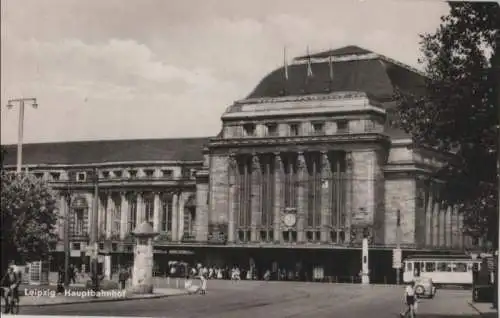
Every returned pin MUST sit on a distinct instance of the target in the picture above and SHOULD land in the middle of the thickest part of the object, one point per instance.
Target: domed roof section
(354, 69)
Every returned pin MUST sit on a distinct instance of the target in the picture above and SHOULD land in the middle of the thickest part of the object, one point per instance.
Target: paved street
(255, 299)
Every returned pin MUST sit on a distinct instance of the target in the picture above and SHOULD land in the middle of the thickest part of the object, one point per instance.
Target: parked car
(424, 287)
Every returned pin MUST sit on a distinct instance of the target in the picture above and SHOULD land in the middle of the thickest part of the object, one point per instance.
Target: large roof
(354, 70)
(88, 152)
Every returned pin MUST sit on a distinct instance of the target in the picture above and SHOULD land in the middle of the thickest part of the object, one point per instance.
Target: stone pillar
(156, 212)
(279, 197)
(349, 193)
(142, 275)
(123, 214)
(301, 197)
(326, 176)
(180, 213)
(175, 210)
(442, 227)
(256, 207)
(107, 267)
(428, 218)
(202, 210)
(62, 217)
(435, 224)
(110, 214)
(140, 208)
(231, 213)
(461, 236)
(365, 272)
(101, 217)
(448, 230)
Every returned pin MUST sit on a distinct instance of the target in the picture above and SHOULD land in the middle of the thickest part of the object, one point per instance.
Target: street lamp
(20, 131)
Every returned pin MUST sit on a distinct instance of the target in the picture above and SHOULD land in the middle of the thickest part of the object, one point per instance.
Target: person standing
(203, 277)
(410, 300)
(122, 277)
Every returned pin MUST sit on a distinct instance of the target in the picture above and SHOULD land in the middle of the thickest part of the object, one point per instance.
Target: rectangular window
(105, 174)
(132, 215)
(79, 222)
(409, 266)
(149, 209)
(39, 175)
(132, 173)
(76, 246)
(166, 220)
(167, 173)
(118, 173)
(149, 173)
(443, 267)
(272, 130)
(342, 126)
(430, 267)
(460, 267)
(294, 129)
(55, 176)
(318, 128)
(81, 176)
(249, 129)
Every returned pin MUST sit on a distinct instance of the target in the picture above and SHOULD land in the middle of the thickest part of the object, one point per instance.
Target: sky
(134, 69)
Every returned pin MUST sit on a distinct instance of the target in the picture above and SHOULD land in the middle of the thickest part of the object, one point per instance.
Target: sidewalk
(484, 309)
(47, 298)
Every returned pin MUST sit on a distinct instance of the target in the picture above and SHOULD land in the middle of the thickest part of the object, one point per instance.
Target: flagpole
(285, 66)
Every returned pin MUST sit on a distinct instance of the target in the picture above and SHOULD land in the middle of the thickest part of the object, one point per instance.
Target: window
(149, 208)
(132, 215)
(79, 219)
(342, 126)
(55, 176)
(167, 173)
(39, 175)
(81, 176)
(294, 129)
(460, 267)
(101, 246)
(272, 129)
(132, 173)
(430, 266)
(118, 173)
(76, 246)
(318, 128)
(105, 174)
(409, 266)
(149, 173)
(443, 267)
(166, 220)
(249, 129)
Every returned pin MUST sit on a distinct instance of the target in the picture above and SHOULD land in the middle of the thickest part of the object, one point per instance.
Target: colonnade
(120, 212)
(263, 186)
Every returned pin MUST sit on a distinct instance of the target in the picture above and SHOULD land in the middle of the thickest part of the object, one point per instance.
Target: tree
(28, 218)
(458, 112)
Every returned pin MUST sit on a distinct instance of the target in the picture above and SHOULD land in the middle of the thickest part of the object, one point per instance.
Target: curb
(474, 307)
(97, 300)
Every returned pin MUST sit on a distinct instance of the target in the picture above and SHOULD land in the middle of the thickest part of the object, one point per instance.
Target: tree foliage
(28, 218)
(459, 111)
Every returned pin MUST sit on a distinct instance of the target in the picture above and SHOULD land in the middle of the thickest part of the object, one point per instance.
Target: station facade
(303, 169)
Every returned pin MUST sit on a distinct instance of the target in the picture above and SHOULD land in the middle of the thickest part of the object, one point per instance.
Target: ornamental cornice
(304, 98)
(368, 137)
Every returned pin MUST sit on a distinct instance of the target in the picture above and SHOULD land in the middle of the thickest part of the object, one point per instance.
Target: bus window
(460, 267)
(430, 266)
(443, 267)
(409, 266)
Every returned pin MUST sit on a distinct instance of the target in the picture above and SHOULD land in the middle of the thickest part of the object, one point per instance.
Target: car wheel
(419, 290)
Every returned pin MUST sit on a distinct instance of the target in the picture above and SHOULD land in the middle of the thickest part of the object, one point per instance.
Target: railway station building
(304, 167)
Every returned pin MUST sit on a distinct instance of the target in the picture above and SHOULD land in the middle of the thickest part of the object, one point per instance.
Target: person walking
(410, 301)
(122, 278)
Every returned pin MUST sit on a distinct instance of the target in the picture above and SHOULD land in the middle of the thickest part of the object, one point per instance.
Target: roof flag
(330, 64)
(285, 63)
(309, 68)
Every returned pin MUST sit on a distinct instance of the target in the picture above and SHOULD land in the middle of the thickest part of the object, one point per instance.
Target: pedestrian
(122, 278)
(410, 299)
(203, 278)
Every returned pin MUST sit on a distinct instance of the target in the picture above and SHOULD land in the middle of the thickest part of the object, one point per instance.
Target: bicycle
(11, 303)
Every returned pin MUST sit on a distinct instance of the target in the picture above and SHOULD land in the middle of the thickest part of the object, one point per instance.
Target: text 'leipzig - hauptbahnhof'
(302, 169)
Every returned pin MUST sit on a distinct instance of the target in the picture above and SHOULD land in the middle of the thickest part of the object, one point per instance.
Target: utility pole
(496, 70)
(95, 230)
(20, 127)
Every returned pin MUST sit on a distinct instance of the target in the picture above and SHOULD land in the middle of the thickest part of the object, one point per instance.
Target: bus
(442, 269)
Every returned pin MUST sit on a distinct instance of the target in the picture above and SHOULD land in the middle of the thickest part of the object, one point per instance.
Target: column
(435, 224)
(255, 198)
(232, 171)
(110, 214)
(326, 176)
(428, 217)
(449, 211)
(442, 227)
(140, 209)
(62, 217)
(349, 192)
(301, 197)
(123, 215)
(461, 240)
(156, 212)
(278, 196)
(101, 217)
(180, 213)
(175, 210)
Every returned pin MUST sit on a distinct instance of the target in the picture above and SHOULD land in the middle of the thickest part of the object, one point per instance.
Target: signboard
(75, 253)
(396, 258)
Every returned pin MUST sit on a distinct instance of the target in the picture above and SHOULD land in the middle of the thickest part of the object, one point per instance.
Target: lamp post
(398, 247)
(20, 127)
(66, 235)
